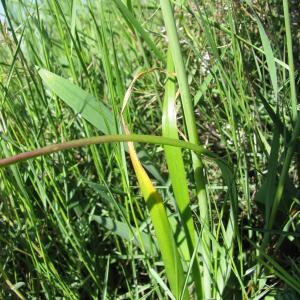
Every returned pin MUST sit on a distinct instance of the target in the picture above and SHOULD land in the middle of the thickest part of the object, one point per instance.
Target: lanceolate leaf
(174, 156)
(269, 56)
(268, 53)
(162, 228)
(82, 102)
(267, 191)
(190, 122)
(177, 171)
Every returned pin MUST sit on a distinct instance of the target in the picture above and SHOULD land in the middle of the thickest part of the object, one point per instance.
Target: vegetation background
(74, 224)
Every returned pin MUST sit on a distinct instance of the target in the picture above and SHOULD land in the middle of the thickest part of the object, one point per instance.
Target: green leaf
(130, 18)
(267, 191)
(82, 102)
(162, 228)
(204, 86)
(268, 53)
(193, 136)
(127, 232)
(174, 157)
(177, 172)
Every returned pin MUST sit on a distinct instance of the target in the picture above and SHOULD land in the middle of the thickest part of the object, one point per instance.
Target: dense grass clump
(149, 149)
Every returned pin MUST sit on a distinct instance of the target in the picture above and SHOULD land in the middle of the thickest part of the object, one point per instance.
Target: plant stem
(150, 139)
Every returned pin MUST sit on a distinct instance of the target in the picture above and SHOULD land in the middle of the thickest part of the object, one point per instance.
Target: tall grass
(204, 205)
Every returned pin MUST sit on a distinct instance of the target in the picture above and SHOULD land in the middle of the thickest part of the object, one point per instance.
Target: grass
(203, 205)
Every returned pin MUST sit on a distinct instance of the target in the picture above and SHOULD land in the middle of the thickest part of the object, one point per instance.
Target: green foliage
(220, 75)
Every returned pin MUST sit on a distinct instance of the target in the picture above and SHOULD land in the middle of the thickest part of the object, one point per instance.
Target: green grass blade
(13, 64)
(163, 230)
(177, 171)
(224, 29)
(73, 21)
(204, 85)
(189, 118)
(123, 230)
(290, 58)
(162, 284)
(282, 180)
(267, 191)
(276, 268)
(83, 103)
(274, 117)
(293, 94)
(270, 58)
(129, 17)
(10, 285)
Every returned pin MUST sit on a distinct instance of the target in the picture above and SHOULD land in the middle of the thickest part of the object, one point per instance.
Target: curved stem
(150, 139)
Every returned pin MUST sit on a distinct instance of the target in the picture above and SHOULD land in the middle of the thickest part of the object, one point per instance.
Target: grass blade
(83, 103)
(177, 171)
(123, 230)
(164, 234)
(129, 17)
(268, 53)
(290, 58)
(282, 180)
(189, 117)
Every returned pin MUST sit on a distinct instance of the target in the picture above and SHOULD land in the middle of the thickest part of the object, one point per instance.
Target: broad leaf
(82, 102)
